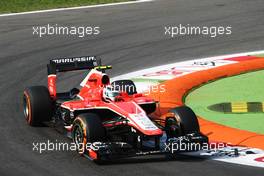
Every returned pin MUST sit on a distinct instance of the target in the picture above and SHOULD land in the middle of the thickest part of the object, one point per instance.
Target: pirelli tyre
(37, 105)
(186, 119)
(88, 128)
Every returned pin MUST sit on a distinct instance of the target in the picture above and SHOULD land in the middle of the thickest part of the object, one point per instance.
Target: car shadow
(152, 159)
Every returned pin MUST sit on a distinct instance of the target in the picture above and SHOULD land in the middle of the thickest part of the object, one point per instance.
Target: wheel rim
(174, 126)
(78, 137)
(26, 107)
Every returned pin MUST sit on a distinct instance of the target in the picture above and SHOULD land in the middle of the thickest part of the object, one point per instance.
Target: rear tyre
(127, 86)
(37, 105)
(186, 119)
(87, 128)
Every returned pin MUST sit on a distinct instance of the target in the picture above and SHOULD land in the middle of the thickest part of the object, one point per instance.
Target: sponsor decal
(74, 59)
(143, 121)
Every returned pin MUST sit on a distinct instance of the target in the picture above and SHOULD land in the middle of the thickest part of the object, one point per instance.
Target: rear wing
(72, 64)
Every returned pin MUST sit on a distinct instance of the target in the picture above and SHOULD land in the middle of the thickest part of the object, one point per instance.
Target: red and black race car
(107, 120)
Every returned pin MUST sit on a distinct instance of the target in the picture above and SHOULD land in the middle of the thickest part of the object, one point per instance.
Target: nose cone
(145, 125)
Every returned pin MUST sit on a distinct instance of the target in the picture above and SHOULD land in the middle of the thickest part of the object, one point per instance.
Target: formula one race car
(108, 120)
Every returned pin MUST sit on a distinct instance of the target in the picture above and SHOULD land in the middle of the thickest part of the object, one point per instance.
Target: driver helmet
(110, 94)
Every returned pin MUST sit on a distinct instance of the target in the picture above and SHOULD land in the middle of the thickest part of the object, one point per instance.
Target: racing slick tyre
(127, 86)
(88, 128)
(182, 123)
(186, 119)
(37, 105)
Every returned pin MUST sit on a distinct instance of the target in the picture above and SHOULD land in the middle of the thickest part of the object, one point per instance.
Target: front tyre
(184, 124)
(37, 105)
(88, 128)
(186, 119)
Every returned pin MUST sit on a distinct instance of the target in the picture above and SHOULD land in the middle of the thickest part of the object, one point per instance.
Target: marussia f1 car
(112, 118)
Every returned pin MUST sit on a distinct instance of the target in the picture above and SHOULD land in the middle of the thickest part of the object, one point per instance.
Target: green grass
(246, 88)
(12, 6)
(259, 55)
